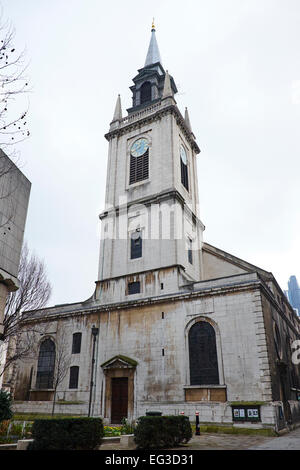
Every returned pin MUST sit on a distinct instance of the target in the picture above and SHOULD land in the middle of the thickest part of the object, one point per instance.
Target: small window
(76, 345)
(190, 251)
(134, 288)
(74, 373)
(136, 246)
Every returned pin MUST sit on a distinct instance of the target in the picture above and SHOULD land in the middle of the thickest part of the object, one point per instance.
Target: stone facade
(190, 304)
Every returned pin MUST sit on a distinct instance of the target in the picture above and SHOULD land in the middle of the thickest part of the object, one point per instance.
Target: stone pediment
(119, 362)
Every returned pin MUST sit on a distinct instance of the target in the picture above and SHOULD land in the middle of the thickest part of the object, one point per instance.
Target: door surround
(119, 367)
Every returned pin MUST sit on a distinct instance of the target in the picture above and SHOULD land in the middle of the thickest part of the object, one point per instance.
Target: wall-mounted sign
(246, 413)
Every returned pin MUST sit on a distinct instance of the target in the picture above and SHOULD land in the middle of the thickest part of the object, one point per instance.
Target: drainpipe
(95, 332)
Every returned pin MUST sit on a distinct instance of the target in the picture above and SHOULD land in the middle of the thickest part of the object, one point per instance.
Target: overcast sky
(236, 64)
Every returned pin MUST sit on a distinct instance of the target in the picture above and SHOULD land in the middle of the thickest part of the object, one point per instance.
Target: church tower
(151, 231)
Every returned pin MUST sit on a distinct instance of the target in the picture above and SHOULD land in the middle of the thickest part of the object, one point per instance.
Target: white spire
(118, 110)
(153, 54)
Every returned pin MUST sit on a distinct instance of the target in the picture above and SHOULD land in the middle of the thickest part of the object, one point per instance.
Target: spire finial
(153, 25)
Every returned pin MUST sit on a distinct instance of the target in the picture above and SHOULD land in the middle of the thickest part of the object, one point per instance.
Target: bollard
(197, 424)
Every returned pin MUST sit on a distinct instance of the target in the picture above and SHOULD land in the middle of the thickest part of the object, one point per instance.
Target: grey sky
(236, 64)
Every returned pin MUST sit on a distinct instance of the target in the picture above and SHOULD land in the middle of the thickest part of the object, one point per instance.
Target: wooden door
(119, 399)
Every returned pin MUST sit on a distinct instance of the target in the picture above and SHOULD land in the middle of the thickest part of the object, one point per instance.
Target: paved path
(290, 441)
(208, 442)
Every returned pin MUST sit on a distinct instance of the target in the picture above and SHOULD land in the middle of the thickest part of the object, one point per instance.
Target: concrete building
(14, 198)
(175, 324)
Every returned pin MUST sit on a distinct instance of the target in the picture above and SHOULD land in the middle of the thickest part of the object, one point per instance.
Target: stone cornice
(178, 296)
(154, 199)
(144, 117)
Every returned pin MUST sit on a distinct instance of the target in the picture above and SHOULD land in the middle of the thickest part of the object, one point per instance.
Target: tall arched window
(46, 363)
(203, 354)
(145, 92)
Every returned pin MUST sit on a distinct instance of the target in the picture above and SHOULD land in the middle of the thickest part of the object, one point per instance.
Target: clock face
(183, 154)
(139, 147)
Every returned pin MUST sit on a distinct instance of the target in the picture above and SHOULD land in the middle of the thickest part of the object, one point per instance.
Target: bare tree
(62, 363)
(13, 116)
(33, 293)
(13, 83)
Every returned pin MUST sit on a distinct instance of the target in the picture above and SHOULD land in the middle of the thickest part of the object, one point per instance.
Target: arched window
(145, 92)
(46, 363)
(277, 341)
(203, 354)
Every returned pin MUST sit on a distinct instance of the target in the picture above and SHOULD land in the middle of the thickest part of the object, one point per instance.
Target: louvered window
(139, 168)
(203, 354)
(184, 175)
(74, 373)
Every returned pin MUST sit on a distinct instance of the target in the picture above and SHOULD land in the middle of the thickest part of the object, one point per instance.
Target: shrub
(127, 427)
(162, 431)
(67, 434)
(5, 406)
(15, 429)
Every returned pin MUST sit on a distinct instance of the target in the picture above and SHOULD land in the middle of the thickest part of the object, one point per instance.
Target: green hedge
(162, 431)
(67, 434)
(5, 406)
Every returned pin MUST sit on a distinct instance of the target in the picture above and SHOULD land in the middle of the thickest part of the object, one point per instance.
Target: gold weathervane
(153, 26)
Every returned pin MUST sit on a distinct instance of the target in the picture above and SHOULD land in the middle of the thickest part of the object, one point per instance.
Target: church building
(175, 324)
